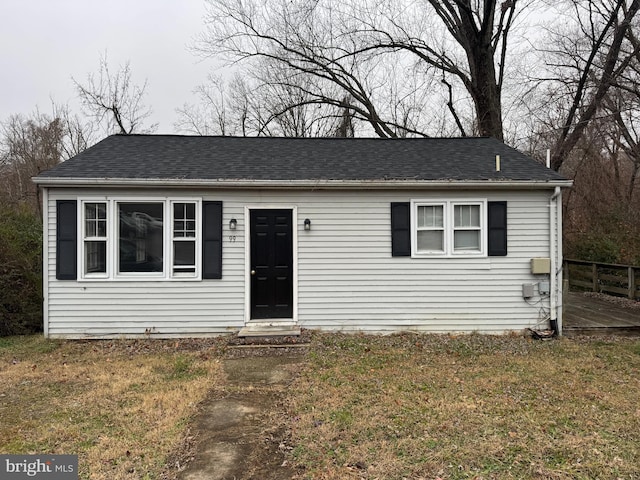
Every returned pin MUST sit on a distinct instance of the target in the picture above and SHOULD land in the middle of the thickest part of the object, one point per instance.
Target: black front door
(271, 264)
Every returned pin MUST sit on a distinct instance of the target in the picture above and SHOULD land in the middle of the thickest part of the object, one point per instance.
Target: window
(430, 228)
(95, 238)
(155, 238)
(466, 228)
(184, 238)
(449, 228)
(140, 237)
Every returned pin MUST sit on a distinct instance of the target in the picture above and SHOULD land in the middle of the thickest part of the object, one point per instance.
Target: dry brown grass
(123, 407)
(394, 407)
(473, 407)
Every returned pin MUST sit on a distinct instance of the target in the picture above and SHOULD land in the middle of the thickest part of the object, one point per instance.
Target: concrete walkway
(237, 430)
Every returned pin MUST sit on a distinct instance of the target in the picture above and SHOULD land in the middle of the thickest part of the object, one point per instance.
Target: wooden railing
(603, 277)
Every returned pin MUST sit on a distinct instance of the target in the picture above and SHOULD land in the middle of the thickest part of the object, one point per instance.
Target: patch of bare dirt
(239, 432)
(227, 345)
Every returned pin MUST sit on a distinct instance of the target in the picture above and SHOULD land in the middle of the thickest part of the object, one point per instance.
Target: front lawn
(122, 406)
(364, 407)
(471, 406)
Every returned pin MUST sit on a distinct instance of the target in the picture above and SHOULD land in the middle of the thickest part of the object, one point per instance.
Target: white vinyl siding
(346, 278)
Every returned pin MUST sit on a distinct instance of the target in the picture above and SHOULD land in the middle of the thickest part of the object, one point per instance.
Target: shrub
(20, 271)
(611, 237)
(594, 248)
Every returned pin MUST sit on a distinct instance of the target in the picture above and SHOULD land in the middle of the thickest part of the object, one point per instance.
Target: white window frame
(113, 240)
(115, 247)
(449, 228)
(196, 240)
(82, 228)
(417, 229)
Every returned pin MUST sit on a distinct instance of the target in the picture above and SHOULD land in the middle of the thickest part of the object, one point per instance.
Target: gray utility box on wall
(527, 290)
(543, 287)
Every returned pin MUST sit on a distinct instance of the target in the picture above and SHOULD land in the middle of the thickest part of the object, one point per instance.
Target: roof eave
(294, 184)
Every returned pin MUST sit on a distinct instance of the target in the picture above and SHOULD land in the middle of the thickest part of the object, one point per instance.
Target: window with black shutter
(118, 238)
(449, 228)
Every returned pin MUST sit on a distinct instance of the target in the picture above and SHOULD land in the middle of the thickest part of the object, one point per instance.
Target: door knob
(253, 272)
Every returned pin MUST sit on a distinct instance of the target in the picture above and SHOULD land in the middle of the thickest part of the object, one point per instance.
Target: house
(180, 236)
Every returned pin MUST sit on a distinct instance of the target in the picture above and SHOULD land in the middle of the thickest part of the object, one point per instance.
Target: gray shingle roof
(171, 157)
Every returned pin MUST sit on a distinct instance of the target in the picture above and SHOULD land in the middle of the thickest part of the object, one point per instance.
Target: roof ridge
(237, 137)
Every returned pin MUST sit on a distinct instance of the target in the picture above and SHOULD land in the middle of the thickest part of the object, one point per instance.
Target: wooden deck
(585, 315)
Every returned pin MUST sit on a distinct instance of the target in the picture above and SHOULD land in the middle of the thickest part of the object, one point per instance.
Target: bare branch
(572, 130)
(114, 101)
(342, 44)
(452, 108)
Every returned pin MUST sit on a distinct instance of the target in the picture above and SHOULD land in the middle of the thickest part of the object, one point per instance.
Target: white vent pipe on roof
(497, 163)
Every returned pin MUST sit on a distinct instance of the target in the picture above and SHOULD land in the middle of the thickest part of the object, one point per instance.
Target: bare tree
(602, 213)
(267, 105)
(345, 47)
(620, 123)
(78, 134)
(114, 101)
(209, 115)
(585, 63)
(30, 146)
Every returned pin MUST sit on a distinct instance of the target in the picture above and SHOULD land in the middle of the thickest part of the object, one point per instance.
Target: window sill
(140, 278)
(449, 255)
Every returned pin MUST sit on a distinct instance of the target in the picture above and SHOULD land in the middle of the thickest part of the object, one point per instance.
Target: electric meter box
(543, 287)
(540, 266)
(527, 290)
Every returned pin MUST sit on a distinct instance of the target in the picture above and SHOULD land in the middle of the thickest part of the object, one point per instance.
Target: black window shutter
(401, 229)
(66, 240)
(497, 232)
(211, 239)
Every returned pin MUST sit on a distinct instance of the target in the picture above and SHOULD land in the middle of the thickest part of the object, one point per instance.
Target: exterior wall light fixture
(307, 224)
(233, 223)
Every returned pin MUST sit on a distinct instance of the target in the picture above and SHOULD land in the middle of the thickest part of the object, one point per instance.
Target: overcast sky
(43, 43)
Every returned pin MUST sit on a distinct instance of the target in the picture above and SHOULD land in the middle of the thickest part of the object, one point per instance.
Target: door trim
(247, 265)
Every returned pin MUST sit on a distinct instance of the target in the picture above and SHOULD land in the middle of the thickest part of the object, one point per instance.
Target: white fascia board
(299, 184)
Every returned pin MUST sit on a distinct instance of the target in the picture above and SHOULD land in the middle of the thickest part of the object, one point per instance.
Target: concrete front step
(269, 331)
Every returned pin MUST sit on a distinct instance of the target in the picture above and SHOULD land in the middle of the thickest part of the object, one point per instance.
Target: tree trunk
(484, 88)
(486, 96)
